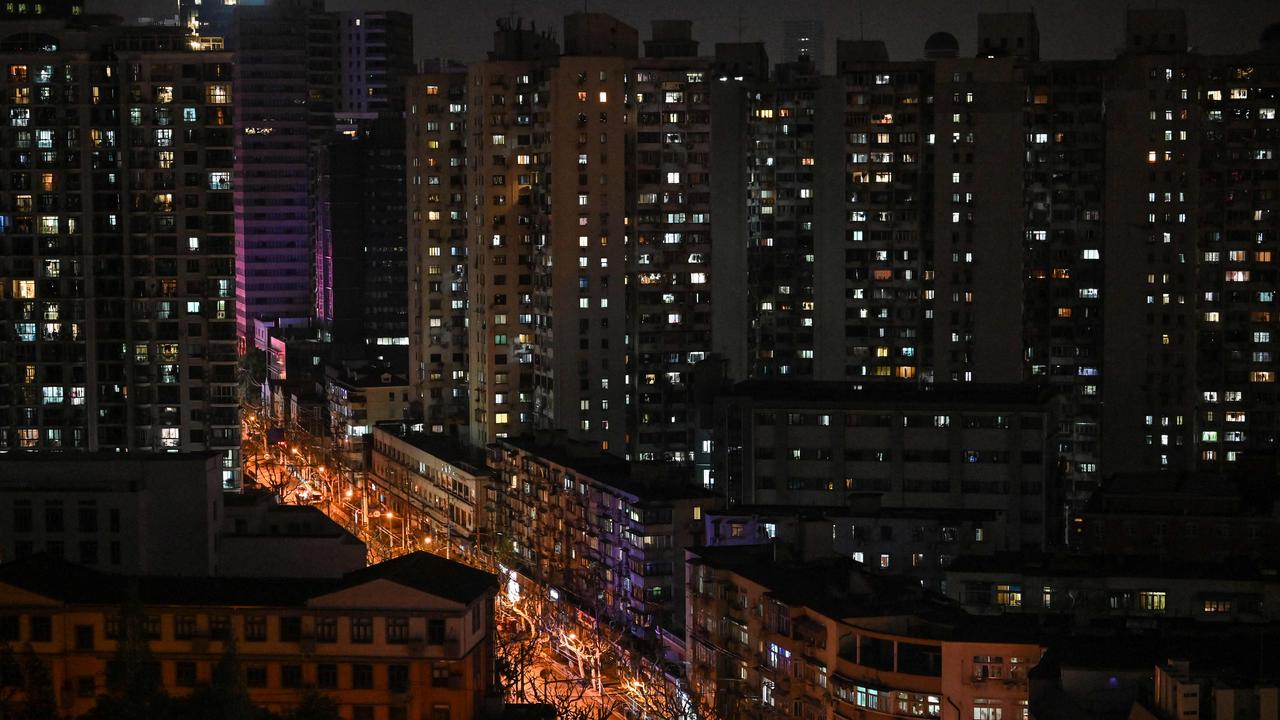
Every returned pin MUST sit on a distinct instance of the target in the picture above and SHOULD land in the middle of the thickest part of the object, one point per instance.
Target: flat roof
(442, 447)
(841, 589)
(879, 393)
(607, 469)
(1102, 566)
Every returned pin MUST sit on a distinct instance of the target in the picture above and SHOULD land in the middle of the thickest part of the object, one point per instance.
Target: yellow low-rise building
(407, 638)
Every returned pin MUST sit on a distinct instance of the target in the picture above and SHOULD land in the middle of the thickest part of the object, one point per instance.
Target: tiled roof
(58, 579)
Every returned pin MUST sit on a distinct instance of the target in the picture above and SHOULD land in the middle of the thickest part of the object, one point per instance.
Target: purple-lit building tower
(284, 53)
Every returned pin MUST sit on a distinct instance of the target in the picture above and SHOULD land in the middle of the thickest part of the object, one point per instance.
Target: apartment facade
(669, 292)
(970, 447)
(163, 514)
(1096, 587)
(119, 313)
(507, 111)
(825, 641)
(576, 521)
(375, 55)
(445, 494)
(407, 638)
(153, 514)
(436, 176)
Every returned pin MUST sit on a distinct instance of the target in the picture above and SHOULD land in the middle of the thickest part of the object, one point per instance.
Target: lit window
(218, 95)
(24, 288)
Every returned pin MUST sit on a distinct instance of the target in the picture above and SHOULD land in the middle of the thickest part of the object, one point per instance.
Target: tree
(515, 650)
(572, 699)
(251, 371)
(226, 697)
(314, 706)
(10, 681)
(134, 688)
(40, 701)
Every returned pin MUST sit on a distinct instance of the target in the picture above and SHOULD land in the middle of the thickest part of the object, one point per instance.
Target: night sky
(461, 29)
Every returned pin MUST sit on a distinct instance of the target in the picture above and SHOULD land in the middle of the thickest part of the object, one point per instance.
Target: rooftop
(443, 447)
(828, 393)
(841, 589)
(74, 584)
(813, 512)
(586, 460)
(52, 472)
(1108, 566)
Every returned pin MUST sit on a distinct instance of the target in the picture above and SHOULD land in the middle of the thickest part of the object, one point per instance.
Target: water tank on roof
(941, 45)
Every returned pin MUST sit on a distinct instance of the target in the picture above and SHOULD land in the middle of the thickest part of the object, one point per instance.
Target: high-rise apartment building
(361, 253)
(762, 199)
(583, 229)
(375, 55)
(873, 226)
(436, 175)
(1190, 273)
(669, 268)
(117, 267)
(929, 221)
(507, 105)
(360, 246)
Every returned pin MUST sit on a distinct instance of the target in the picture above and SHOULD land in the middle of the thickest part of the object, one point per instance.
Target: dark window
(115, 552)
(219, 627)
(440, 675)
(440, 712)
(362, 676)
(22, 516)
(53, 516)
(435, 631)
(398, 678)
(290, 629)
(184, 627)
(151, 627)
(326, 629)
(397, 713)
(9, 628)
(112, 629)
(84, 637)
(255, 628)
(88, 552)
(255, 676)
(113, 520)
(362, 712)
(41, 628)
(327, 676)
(87, 517)
(361, 630)
(184, 673)
(291, 676)
(397, 630)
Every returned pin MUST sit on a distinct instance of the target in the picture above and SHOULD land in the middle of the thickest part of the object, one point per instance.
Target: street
(562, 661)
